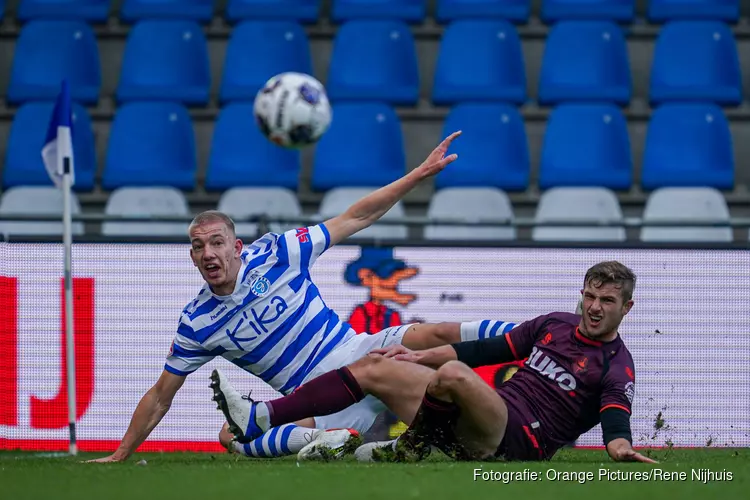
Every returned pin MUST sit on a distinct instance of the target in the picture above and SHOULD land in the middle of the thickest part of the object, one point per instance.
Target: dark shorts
(523, 440)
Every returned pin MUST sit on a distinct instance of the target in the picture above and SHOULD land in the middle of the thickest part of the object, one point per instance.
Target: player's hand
(392, 351)
(111, 458)
(411, 356)
(437, 160)
(400, 353)
(630, 455)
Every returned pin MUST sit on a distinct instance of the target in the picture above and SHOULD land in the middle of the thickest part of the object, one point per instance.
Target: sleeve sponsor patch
(630, 391)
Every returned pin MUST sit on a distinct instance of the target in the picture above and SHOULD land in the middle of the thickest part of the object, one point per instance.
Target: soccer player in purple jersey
(578, 374)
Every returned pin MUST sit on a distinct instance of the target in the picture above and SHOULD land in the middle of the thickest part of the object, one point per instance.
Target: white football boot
(241, 412)
(330, 445)
(366, 452)
(396, 450)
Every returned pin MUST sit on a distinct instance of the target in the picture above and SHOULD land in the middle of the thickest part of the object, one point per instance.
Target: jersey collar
(595, 343)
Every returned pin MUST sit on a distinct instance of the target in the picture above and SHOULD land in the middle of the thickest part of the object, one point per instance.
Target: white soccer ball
(292, 110)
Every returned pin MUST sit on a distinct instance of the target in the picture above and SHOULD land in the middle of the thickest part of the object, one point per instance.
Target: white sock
(486, 329)
(280, 441)
(263, 416)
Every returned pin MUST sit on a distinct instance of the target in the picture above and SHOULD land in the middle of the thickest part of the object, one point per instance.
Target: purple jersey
(568, 379)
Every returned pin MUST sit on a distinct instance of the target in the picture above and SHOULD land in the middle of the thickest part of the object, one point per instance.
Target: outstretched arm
(618, 390)
(473, 353)
(372, 207)
(513, 345)
(149, 412)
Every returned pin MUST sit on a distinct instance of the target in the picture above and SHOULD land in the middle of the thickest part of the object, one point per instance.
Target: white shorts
(362, 415)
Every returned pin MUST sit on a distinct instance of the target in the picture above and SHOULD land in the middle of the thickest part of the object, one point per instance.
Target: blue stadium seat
(720, 10)
(83, 10)
(291, 10)
(688, 144)
(196, 10)
(586, 145)
(493, 149)
(23, 159)
(479, 61)
(403, 10)
(242, 156)
(585, 61)
(374, 60)
(165, 60)
(696, 61)
(511, 10)
(151, 144)
(371, 127)
(2, 9)
(258, 50)
(48, 52)
(614, 10)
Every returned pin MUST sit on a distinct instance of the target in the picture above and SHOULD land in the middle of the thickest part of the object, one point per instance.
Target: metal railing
(518, 222)
(523, 238)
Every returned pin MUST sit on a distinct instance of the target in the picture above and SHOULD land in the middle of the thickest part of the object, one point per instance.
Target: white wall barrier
(689, 332)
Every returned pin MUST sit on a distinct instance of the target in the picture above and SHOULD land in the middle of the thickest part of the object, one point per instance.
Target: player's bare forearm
(147, 415)
(369, 209)
(149, 412)
(428, 335)
(438, 356)
(372, 207)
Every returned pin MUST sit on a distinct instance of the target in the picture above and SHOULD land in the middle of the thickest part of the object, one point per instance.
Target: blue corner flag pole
(57, 155)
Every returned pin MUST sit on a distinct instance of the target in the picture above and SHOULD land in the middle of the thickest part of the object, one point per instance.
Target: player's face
(603, 310)
(216, 254)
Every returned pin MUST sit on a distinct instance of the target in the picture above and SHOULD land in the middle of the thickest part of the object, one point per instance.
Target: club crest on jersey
(630, 391)
(260, 286)
(581, 366)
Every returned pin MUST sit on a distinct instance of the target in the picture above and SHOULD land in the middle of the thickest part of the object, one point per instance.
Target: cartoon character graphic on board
(377, 270)
(380, 273)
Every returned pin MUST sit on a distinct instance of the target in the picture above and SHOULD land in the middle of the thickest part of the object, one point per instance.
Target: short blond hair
(213, 216)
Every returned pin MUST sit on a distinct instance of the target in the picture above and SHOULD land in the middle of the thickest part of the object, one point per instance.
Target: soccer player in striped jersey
(260, 310)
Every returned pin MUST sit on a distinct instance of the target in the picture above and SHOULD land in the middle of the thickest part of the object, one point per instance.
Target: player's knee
(367, 369)
(453, 373)
(366, 363)
(225, 437)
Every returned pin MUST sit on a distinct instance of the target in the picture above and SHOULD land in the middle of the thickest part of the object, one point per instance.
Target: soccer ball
(292, 110)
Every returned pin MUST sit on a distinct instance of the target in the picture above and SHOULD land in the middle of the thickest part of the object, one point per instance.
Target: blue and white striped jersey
(274, 325)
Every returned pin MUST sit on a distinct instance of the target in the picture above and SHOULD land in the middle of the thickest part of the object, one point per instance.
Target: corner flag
(57, 152)
(57, 155)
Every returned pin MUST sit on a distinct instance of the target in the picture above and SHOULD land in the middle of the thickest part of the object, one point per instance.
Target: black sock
(439, 409)
(433, 423)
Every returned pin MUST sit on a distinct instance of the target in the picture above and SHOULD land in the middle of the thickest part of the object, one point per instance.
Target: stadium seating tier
(386, 87)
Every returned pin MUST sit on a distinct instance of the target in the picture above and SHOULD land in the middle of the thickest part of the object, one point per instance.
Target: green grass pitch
(207, 476)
